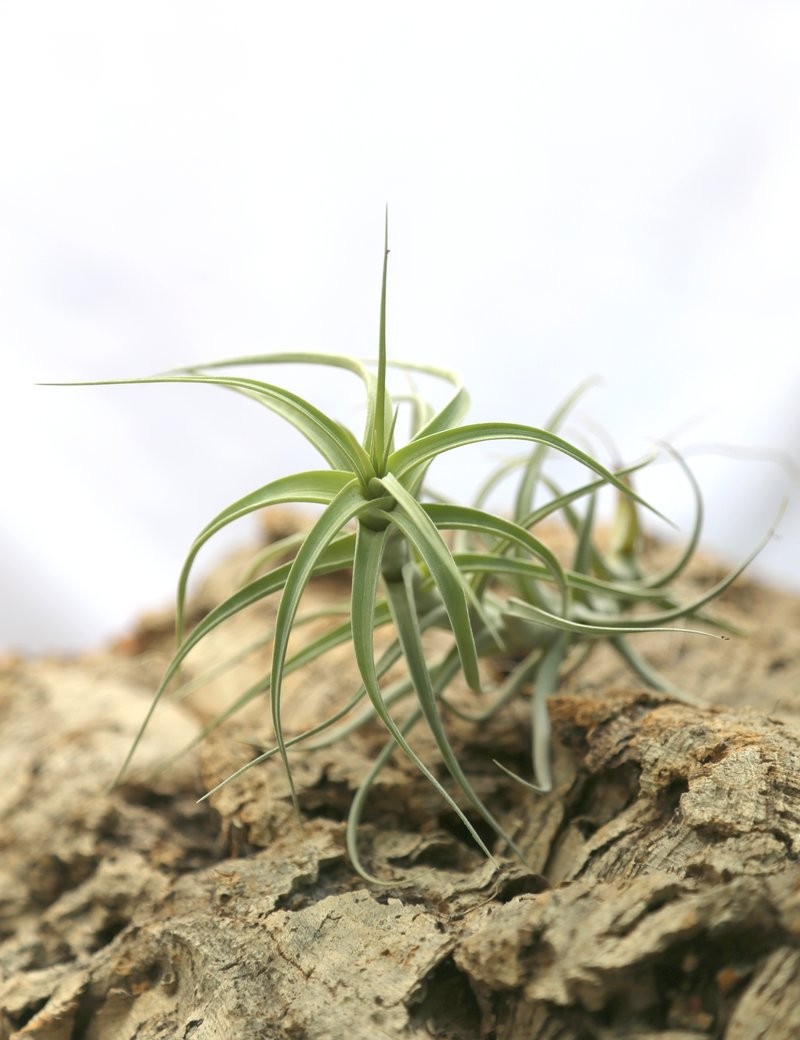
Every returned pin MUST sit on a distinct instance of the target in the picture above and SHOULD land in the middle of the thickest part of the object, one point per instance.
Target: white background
(574, 189)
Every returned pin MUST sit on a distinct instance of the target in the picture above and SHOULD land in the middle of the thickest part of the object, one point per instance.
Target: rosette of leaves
(500, 588)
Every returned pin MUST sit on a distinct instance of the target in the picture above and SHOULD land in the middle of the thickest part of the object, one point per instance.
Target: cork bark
(660, 899)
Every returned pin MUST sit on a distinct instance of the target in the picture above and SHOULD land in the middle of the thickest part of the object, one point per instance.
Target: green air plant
(494, 586)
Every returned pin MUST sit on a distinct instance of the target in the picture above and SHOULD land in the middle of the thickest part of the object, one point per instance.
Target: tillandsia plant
(495, 586)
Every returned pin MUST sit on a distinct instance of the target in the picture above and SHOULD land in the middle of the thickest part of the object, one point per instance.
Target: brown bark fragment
(661, 899)
(770, 1006)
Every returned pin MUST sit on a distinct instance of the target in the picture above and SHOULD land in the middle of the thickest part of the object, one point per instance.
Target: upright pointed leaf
(378, 442)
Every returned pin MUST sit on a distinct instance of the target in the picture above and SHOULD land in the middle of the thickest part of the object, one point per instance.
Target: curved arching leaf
(298, 357)
(465, 518)
(421, 450)
(345, 507)
(523, 501)
(316, 486)
(335, 443)
(336, 556)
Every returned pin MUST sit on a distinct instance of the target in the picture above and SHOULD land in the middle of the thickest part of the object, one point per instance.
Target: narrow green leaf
(318, 486)
(296, 357)
(225, 665)
(547, 677)
(646, 673)
(523, 503)
(562, 499)
(688, 609)
(390, 656)
(516, 608)
(401, 601)
(545, 684)
(366, 571)
(510, 687)
(299, 738)
(337, 556)
(412, 519)
(425, 448)
(464, 518)
(340, 361)
(672, 572)
(309, 652)
(456, 407)
(387, 660)
(345, 507)
(379, 443)
(334, 442)
(286, 546)
(584, 549)
(494, 563)
(360, 797)
(421, 410)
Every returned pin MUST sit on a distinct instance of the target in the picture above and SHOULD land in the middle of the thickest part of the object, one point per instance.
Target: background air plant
(495, 586)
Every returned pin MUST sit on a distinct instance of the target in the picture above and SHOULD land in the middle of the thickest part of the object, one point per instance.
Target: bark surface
(660, 901)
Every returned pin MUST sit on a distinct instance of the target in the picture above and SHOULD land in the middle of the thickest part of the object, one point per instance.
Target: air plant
(494, 586)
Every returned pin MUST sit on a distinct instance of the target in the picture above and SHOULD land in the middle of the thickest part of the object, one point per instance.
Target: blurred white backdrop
(574, 189)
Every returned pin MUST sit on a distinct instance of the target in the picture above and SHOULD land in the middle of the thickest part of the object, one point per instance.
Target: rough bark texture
(661, 901)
